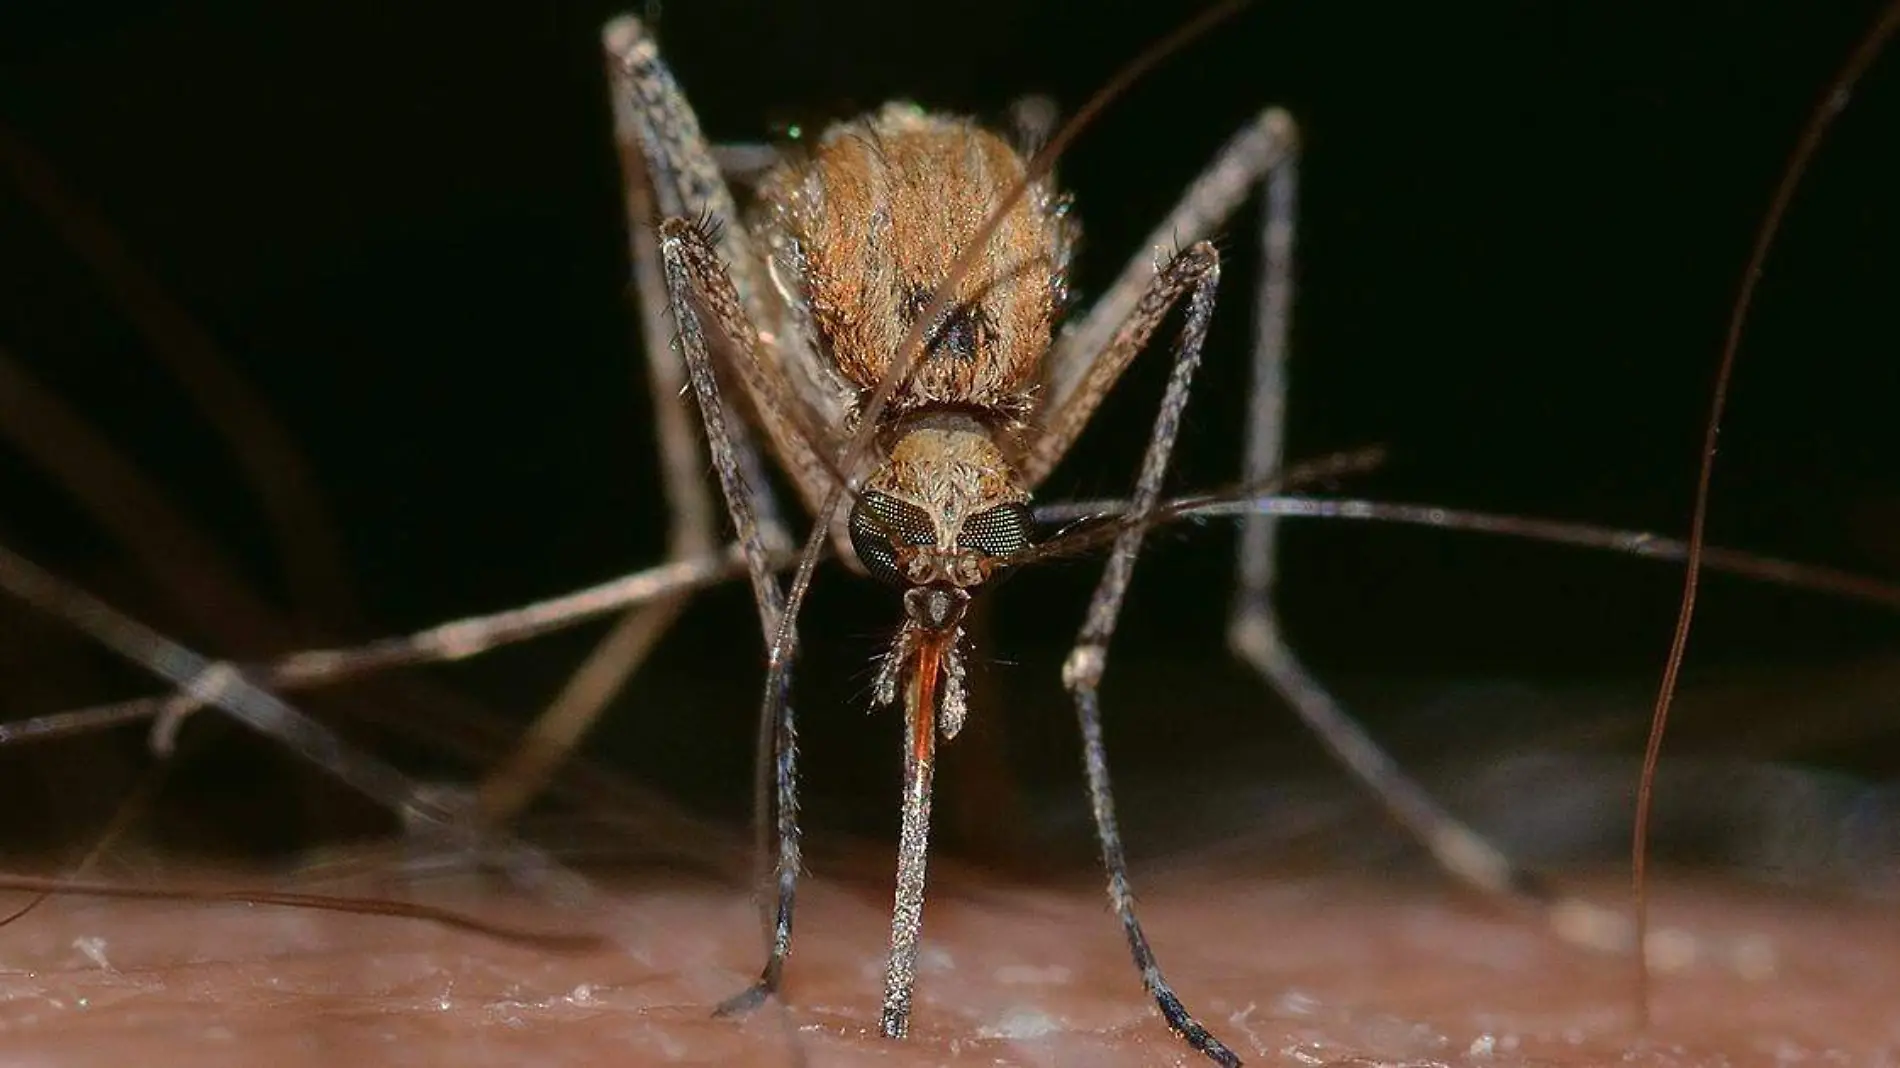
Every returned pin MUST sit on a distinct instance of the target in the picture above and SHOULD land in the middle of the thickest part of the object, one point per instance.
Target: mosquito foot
(745, 1001)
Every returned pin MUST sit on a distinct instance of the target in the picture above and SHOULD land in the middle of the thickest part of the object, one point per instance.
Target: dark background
(1521, 228)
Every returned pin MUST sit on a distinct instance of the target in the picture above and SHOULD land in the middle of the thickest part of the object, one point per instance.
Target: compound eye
(1002, 531)
(879, 524)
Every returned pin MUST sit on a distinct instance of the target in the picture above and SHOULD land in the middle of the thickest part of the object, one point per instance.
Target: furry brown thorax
(864, 229)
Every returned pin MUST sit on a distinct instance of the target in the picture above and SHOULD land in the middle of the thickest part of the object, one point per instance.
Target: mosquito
(903, 237)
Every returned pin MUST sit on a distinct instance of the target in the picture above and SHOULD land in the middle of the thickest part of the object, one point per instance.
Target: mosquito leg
(1253, 628)
(209, 682)
(711, 266)
(697, 281)
(1086, 362)
(560, 727)
(719, 272)
(1196, 273)
(658, 128)
(513, 784)
(1254, 631)
(672, 172)
(1265, 153)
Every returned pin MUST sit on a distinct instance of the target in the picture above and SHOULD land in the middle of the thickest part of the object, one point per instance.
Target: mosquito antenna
(1099, 515)
(1839, 90)
(1104, 521)
(467, 637)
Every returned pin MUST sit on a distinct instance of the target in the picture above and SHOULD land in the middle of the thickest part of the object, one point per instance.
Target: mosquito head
(940, 515)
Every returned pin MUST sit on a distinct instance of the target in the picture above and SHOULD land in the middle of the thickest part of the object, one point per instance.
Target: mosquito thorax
(942, 511)
(864, 227)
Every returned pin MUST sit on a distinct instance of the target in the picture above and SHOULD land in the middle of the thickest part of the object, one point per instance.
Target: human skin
(1287, 967)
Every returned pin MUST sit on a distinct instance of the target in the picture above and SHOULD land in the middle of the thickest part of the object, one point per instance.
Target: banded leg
(697, 280)
(1253, 628)
(1086, 362)
(719, 273)
(678, 176)
(1266, 153)
(1195, 272)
